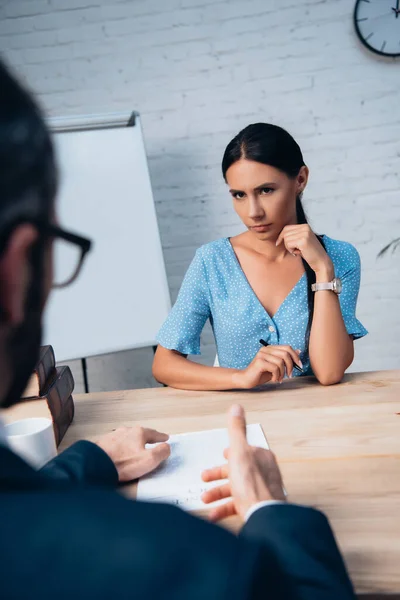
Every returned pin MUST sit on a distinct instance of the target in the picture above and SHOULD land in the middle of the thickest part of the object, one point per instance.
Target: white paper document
(178, 480)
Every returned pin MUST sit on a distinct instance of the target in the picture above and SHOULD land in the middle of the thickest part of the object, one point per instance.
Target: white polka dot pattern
(216, 288)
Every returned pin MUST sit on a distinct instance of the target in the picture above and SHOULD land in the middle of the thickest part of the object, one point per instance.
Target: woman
(278, 282)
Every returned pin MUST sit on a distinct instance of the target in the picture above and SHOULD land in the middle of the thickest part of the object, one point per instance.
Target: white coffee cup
(33, 440)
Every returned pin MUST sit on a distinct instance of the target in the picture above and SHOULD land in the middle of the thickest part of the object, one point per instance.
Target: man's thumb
(160, 452)
(237, 427)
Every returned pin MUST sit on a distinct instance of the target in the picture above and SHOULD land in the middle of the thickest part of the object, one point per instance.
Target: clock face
(377, 24)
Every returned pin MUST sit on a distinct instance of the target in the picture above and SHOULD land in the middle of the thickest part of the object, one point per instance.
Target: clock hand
(396, 10)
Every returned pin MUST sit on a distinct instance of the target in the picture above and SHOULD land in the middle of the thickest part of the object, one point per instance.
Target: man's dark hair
(28, 174)
(28, 184)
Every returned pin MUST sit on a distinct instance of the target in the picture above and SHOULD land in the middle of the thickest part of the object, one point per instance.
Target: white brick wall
(198, 71)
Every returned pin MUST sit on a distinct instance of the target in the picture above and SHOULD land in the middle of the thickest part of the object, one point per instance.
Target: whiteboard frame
(89, 122)
(79, 123)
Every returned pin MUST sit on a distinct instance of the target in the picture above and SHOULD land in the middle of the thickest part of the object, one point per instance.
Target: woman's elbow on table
(334, 373)
(157, 369)
(330, 378)
(164, 363)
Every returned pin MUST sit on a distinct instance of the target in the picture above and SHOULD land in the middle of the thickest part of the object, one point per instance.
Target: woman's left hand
(300, 240)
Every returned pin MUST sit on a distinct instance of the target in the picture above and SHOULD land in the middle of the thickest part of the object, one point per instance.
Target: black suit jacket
(65, 533)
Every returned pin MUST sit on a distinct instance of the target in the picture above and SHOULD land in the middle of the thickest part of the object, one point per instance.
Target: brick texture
(198, 71)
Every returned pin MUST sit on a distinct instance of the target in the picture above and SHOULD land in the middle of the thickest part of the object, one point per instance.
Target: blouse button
(271, 329)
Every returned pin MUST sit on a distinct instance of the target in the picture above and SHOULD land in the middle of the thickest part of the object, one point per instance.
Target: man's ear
(16, 273)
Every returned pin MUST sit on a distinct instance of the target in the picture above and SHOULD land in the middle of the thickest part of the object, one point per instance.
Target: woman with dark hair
(278, 282)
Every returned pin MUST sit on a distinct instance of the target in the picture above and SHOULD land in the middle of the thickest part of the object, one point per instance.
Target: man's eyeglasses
(70, 251)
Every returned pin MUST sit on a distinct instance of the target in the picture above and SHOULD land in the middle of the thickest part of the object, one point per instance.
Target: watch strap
(316, 287)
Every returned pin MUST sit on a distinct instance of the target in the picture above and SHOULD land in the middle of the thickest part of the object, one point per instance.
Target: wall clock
(377, 24)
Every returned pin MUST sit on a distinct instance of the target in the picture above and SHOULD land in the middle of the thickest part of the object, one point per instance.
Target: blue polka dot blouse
(216, 288)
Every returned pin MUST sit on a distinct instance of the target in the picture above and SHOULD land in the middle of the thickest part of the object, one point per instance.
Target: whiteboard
(121, 297)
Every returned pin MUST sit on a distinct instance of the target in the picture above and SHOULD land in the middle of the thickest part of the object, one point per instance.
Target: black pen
(264, 343)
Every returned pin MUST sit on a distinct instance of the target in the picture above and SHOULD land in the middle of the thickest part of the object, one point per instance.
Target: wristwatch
(335, 286)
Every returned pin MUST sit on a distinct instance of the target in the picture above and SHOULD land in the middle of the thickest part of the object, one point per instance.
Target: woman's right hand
(269, 365)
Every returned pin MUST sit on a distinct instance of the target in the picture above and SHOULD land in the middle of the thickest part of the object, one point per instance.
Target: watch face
(337, 285)
(377, 23)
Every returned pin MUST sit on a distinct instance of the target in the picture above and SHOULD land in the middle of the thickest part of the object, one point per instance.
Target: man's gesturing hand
(253, 473)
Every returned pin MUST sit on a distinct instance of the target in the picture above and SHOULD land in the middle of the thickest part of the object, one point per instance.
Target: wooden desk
(338, 448)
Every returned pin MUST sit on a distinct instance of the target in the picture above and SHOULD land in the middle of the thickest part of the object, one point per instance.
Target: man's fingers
(226, 453)
(263, 456)
(150, 460)
(237, 428)
(159, 453)
(152, 436)
(222, 512)
(217, 493)
(267, 460)
(215, 473)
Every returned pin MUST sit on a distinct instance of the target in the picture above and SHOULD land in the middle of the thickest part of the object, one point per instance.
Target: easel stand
(85, 375)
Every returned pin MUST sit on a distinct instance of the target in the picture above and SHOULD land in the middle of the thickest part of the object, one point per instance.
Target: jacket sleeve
(303, 543)
(83, 463)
